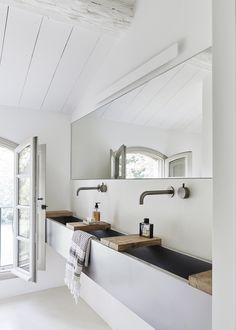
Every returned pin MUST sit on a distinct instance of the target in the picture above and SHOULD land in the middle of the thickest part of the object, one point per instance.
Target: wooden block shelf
(101, 225)
(123, 243)
(57, 214)
(202, 281)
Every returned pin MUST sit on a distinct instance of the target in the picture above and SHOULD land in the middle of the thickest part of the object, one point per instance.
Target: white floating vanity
(149, 296)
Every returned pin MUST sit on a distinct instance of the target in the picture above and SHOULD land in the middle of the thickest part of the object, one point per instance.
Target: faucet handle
(183, 192)
(102, 187)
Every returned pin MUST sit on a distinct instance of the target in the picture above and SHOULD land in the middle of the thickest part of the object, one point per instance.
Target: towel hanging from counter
(78, 258)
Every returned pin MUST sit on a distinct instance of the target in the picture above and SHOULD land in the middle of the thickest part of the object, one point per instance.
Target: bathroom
(95, 94)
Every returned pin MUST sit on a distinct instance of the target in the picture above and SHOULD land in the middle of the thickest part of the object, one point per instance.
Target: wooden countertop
(125, 242)
(202, 281)
(100, 225)
(57, 214)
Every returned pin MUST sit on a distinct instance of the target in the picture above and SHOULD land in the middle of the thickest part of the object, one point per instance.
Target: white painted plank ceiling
(47, 65)
(19, 41)
(70, 68)
(3, 22)
(83, 87)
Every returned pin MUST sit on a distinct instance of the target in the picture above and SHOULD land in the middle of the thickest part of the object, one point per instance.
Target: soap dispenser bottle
(96, 212)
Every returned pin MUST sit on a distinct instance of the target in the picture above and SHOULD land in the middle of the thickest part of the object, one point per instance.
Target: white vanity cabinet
(151, 296)
(58, 237)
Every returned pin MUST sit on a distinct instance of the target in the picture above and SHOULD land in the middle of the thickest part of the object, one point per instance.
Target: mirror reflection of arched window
(146, 163)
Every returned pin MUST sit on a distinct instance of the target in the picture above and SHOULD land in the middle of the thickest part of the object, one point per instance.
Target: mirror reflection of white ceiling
(171, 101)
(50, 65)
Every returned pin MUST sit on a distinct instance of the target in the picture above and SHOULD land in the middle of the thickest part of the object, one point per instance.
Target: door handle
(43, 207)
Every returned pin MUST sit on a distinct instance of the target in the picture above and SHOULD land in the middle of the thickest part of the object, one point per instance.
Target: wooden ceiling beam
(106, 14)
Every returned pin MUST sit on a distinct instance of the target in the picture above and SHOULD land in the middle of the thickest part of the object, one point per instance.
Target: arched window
(6, 202)
(142, 162)
(146, 163)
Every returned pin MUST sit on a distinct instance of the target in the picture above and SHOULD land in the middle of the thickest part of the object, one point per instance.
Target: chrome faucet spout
(101, 188)
(169, 191)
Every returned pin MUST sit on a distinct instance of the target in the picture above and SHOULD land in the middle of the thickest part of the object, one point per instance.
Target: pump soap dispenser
(96, 212)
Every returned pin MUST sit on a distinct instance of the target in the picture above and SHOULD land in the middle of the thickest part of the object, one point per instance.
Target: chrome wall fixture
(101, 188)
(183, 192)
(170, 191)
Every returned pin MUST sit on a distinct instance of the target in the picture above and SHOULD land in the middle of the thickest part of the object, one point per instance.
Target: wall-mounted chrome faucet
(101, 188)
(169, 191)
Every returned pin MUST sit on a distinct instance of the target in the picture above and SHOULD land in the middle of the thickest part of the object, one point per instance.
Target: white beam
(137, 77)
(107, 14)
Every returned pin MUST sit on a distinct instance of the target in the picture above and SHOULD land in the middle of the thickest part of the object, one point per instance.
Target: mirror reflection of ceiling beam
(139, 76)
(171, 101)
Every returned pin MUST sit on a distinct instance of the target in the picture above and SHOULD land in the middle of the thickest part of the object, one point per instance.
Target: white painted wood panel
(47, 55)
(106, 14)
(21, 33)
(3, 21)
(84, 86)
(76, 54)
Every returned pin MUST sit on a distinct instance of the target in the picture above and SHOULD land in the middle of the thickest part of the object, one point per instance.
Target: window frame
(5, 271)
(187, 155)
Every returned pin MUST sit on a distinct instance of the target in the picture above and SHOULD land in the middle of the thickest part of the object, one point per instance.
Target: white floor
(53, 309)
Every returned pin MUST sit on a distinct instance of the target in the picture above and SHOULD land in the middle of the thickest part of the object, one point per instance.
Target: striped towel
(78, 258)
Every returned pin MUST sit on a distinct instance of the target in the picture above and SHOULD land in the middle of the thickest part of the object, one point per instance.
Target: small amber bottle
(96, 212)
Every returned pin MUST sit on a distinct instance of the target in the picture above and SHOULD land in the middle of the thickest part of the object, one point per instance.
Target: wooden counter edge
(123, 246)
(202, 281)
(57, 214)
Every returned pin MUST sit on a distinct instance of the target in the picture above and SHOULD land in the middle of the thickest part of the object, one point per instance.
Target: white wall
(184, 225)
(157, 25)
(224, 165)
(54, 130)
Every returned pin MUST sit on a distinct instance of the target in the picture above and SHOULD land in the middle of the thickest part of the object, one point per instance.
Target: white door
(179, 165)
(25, 210)
(41, 208)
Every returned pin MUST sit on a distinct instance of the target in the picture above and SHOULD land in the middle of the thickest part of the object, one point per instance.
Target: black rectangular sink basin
(105, 233)
(66, 219)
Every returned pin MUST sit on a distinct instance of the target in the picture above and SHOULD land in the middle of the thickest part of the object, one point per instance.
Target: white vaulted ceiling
(45, 64)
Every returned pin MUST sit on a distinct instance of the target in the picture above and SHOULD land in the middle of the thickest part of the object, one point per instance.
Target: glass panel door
(25, 210)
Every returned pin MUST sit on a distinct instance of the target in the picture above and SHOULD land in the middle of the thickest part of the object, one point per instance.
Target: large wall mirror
(161, 129)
